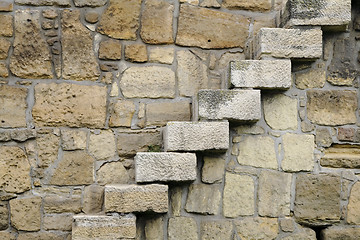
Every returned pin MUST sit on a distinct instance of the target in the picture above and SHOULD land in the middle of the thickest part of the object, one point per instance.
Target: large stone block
(165, 167)
(112, 173)
(104, 227)
(102, 145)
(62, 222)
(136, 198)
(252, 5)
(12, 106)
(121, 113)
(341, 233)
(216, 230)
(203, 199)
(159, 113)
(257, 228)
(196, 136)
(341, 156)
(213, 169)
(267, 74)
(62, 204)
(182, 228)
(232, 105)
(25, 213)
(353, 208)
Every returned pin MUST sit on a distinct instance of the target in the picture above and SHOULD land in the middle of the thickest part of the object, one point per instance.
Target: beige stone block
(25, 213)
(4, 48)
(102, 145)
(43, 236)
(12, 106)
(213, 169)
(182, 228)
(302, 234)
(62, 3)
(73, 139)
(47, 148)
(353, 208)
(160, 113)
(228, 57)
(92, 17)
(210, 4)
(154, 229)
(4, 72)
(340, 232)
(6, 6)
(253, 5)
(266, 21)
(287, 224)
(314, 78)
(110, 50)
(175, 200)
(203, 199)
(136, 53)
(4, 216)
(249, 129)
(7, 236)
(62, 222)
(323, 137)
(216, 230)
(122, 112)
(161, 55)
(113, 172)
(93, 199)
(62, 204)
(7, 25)
(90, 3)
(257, 228)
(341, 156)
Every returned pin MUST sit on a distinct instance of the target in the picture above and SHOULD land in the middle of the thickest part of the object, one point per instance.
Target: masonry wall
(85, 85)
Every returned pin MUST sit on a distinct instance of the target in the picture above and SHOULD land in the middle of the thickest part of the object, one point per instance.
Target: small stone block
(165, 167)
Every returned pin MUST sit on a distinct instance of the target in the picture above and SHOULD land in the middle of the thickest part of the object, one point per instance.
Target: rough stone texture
(4, 48)
(36, 63)
(79, 61)
(62, 222)
(110, 50)
(154, 229)
(73, 139)
(90, 3)
(340, 233)
(346, 134)
(317, 199)
(196, 136)
(8, 236)
(157, 22)
(182, 228)
(251, 155)
(113, 172)
(12, 106)
(353, 208)
(148, 82)
(298, 152)
(323, 137)
(7, 25)
(61, 3)
(136, 53)
(62, 204)
(42, 236)
(14, 170)
(263, 21)
(104, 227)
(160, 113)
(4, 72)
(102, 145)
(165, 167)
(314, 78)
(341, 156)
(213, 169)
(161, 55)
(271, 74)
(93, 199)
(92, 17)
(287, 224)
(332, 107)
(238, 199)
(136, 198)
(122, 112)
(4, 216)
(274, 185)
(288, 43)
(303, 234)
(25, 213)
(257, 228)
(210, 3)
(216, 230)
(6, 6)
(203, 199)
(70, 105)
(67, 171)
(232, 105)
(194, 28)
(121, 19)
(47, 148)
(253, 5)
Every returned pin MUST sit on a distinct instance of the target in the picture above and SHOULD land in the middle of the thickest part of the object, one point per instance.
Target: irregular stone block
(61, 3)
(323, 137)
(203, 199)
(160, 113)
(346, 134)
(122, 112)
(4, 48)
(62, 204)
(136, 198)
(47, 148)
(110, 50)
(340, 233)
(136, 53)
(4, 216)
(102, 145)
(263, 21)
(62, 222)
(90, 3)
(341, 156)
(165, 167)
(25, 213)
(182, 228)
(92, 17)
(12, 106)
(196, 136)
(6, 6)
(216, 230)
(112, 172)
(314, 78)
(200, 27)
(232, 105)
(8, 235)
(7, 25)
(210, 4)
(42, 236)
(93, 199)
(213, 169)
(4, 72)
(154, 229)
(266, 74)
(303, 234)
(104, 227)
(353, 208)
(175, 200)
(253, 5)
(161, 55)
(257, 228)
(73, 139)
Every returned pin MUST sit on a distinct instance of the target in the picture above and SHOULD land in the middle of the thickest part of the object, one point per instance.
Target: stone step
(261, 74)
(295, 44)
(165, 167)
(151, 198)
(232, 105)
(332, 15)
(89, 227)
(196, 136)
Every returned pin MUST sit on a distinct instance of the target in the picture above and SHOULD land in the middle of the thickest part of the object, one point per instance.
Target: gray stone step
(151, 198)
(196, 136)
(232, 105)
(89, 227)
(261, 74)
(165, 167)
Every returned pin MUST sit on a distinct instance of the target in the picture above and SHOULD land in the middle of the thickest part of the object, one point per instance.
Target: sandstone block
(314, 78)
(136, 53)
(182, 228)
(104, 227)
(323, 137)
(346, 134)
(154, 229)
(4, 72)
(12, 106)
(270, 74)
(25, 213)
(102, 145)
(7, 25)
(113, 172)
(175, 200)
(216, 230)
(4, 216)
(4, 48)
(61, 3)
(203, 199)
(160, 113)
(264, 21)
(232, 105)
(47, 148)
(42, 236)
(122, 112)
(253, 5)
(90, 3)
(62, 204)
(165, 167)
(92, 17)
(161, 55)
(8, 235)
(93, 199)
(353, 208)
(110, 50)
(73, 139)
(196, 136)
(257, 228)
(340, 233)
(6, 6)
(301, 234)
(62, 222)
(213, 169)
(210, 3)
(136, 198)
(341, 156)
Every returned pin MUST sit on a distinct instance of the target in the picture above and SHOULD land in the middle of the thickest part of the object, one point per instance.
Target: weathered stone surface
(196, 136)
(317, 199)
(340, 233)
(341, 156)
(110, 50)
(250, 129)
(122, 112)
(23, 135)
(210, 3)
(136, 198)
(303, 234)
(203, 199)
(154, 229)
(62, 222)
(148, 82)
(36, 63)
(271, 74)
(25, 213)
(7, 25)
(70, 105)
(92, 17)
(232, 105)
(216, 230)
(253, 5)
(67, 171)
(47, 148)
(136, 53)
(313, 78)
(42, 236)
(160, 113)
(90, 3)
(298, 152)
(104, 227)
(264, 21)
(62, 204)
(346, 134)
(113, 172)
(213, 169)
(4, 48)
(102, 145)
(6, 6)
(73, 139)
(182, 228)
(353, 208)
(238, 199)
(323, 137)
(287, 224)
(257, 228)
(61, 3)
(165, 167)
(274, 185)
(157, 22)
(12, 106)
(332, 107)
(121, 19)
(93, 199)
(8, 236)
(14, 170)
(251, 155)
(194, 28)
(4, 72)
(79, 61)
(4, 216)
(161, 55)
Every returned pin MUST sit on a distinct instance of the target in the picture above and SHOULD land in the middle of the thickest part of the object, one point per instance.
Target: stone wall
(92, 93)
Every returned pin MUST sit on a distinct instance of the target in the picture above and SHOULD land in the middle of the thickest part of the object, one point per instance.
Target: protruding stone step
(196, 136)
(165, 167)
(296, 44)
(330, 14)
(136, 198)
(232, 105)
(89, 227)
(341, 156)
(262, 74)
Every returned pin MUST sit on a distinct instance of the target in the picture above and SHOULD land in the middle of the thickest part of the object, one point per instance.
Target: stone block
(90, 3)
(102, 145)
(62, 3)
(8, 235)
(159, 113)
(47, 148)
(175, 200)
(182, 228)
(154, 229)
(42, 236)
(353, 208)
(7, 25)
(92, 17)
(136, 198)
(196, 136)
(62, 204)
(6, 6)
(165, 167)
(4, 72)
(340, 233)
(12, 106)
(216, 230)
(121, 113)
(4, 216)
(257, 228)
(341, 156)
(267, 74)
(252, 5)
(93, 199)
(4, 48)
(136, 53)
(213, 169)
(112, 172)
(73, 139)
(62, 222)
(313, 78)
(203, 199)
(232, 105)
(89, 227)
(346, 134)
(25, 213)
(301, 234)
(323, 137)
(161, 55)
(110, 50)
